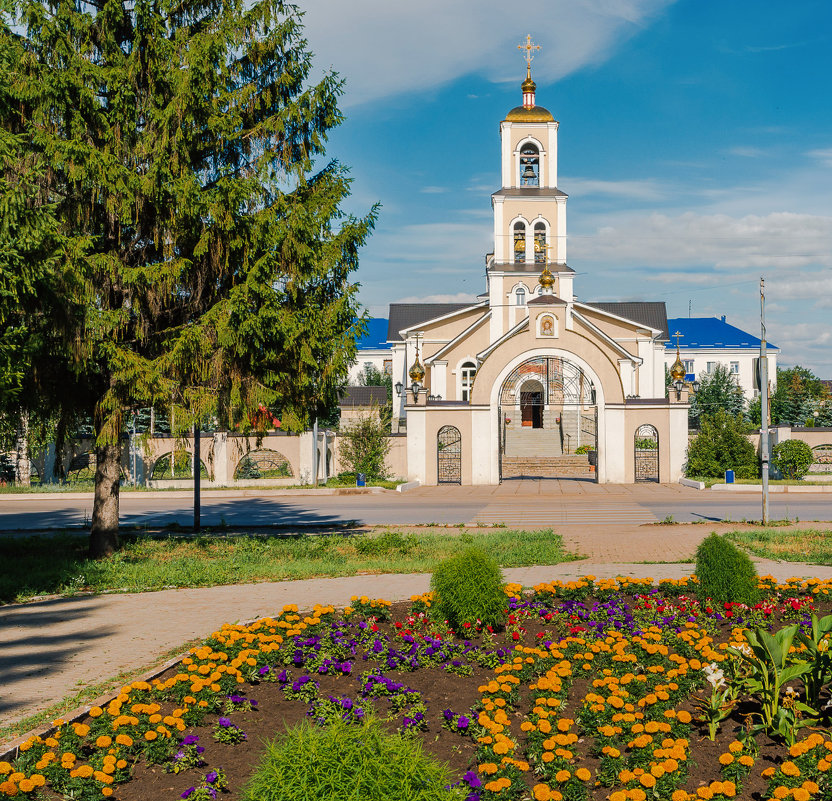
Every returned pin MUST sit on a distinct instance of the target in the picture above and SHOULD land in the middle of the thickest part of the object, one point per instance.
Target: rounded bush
(792, 458)
(722, 445)
(344, 761)
(725, 573)
(469, 587)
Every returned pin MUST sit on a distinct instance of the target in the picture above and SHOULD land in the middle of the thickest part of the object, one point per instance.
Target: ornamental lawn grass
(807, 545)
(59, 565)
(587, 693)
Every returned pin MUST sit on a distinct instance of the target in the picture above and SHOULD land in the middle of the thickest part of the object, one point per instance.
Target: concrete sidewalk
(50, 649)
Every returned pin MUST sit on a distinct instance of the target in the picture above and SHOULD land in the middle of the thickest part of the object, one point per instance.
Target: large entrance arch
(548, 422)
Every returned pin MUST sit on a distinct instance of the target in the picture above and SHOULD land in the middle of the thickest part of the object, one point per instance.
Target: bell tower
(529, 209)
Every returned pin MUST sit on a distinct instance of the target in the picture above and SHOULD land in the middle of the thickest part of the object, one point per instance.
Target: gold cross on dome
(529, 48)
(679, 335)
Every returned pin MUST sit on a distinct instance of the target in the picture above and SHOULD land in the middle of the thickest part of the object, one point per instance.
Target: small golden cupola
(417, 371)
(547, 281)
(677, 370)
(529, 112)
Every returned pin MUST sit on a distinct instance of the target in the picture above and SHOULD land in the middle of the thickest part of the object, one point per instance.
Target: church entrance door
(547, 421)
(531, 409)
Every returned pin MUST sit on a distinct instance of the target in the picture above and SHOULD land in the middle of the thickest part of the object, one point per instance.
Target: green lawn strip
(88, 486)
(58, 564)
(88, 694)
(804, 545)
(804, 482)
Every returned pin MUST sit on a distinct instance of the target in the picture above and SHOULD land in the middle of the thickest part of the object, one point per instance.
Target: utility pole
(315, 453)
(197, 471)
(763, 400)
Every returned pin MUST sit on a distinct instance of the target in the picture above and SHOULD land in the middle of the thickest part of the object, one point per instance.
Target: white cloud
(458, 297)
(385, 47)
(646, 189)
(746, 152)
(780, 240)
(447, 247)
(824, 156)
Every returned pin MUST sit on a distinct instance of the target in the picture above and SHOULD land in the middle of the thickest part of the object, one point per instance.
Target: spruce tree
(202, 220)
(718, 390)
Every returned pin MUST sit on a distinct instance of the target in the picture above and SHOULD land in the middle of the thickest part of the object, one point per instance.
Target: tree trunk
(104, 529)
(22, 471)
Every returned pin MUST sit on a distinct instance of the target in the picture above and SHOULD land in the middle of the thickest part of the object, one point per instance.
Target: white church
(527, 380)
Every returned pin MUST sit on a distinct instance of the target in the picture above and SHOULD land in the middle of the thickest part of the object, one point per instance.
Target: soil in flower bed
(558, 619)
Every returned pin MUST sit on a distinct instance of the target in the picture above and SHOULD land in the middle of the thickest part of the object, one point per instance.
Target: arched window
(520, 296)
(468, 371)
(539, 243)
(519, 242)
(529, 165)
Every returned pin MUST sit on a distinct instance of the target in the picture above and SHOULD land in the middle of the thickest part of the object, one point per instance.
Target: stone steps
(546, 467)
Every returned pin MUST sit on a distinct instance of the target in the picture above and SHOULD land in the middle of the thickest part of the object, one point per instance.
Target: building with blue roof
(373, 350)
(705, 342)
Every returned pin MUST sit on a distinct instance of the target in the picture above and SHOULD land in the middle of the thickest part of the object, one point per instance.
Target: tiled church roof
(405, 315)
(651, 313)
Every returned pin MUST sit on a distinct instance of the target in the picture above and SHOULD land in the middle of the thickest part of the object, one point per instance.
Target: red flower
(515, 635)
(466, 625)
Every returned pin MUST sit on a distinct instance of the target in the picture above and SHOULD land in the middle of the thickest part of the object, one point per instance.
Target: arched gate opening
(548, 421)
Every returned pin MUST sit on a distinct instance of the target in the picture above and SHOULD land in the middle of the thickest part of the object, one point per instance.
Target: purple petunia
(463, 722)
(211, 776)
(191, 739)
(187, 793)
(472, 779)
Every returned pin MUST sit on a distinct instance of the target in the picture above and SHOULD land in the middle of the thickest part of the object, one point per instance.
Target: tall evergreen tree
(795, 387)
(718, 390)
(186, 164)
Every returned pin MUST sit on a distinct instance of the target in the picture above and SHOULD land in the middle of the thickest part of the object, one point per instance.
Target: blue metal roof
(376, 336)
(710, 333)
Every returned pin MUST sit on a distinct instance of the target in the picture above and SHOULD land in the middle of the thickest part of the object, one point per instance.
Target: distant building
(708, 341)
(373, 350)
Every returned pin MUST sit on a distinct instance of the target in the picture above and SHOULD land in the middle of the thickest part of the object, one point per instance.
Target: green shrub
(364, 445)
(346, 761)
(725, 573)
(722, 445)
(469, 587)
(792, 458)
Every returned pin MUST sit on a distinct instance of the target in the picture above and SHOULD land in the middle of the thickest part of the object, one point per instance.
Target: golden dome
(533, 114)
(528, 85)
(677, 371)
(546, 280)
(417, 372)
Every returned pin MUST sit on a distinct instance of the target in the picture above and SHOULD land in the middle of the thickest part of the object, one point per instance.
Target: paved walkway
(50, 649)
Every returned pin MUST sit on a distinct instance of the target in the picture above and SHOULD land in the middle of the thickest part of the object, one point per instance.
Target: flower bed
(594, 690)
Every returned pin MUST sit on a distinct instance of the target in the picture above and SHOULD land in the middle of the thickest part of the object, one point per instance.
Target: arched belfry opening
(529, 165)
(548, 422)
(519, 241)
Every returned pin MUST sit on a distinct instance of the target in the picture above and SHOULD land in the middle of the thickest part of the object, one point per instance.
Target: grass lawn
(808, 481)
(59, 565)
(805, 545)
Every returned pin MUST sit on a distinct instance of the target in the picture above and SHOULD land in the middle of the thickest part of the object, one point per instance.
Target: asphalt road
(513, 505)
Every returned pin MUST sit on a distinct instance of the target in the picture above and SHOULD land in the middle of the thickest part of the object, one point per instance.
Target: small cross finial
(679, 335)
(529, 49)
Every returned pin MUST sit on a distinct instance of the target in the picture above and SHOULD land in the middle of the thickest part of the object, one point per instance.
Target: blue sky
(695, 145)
